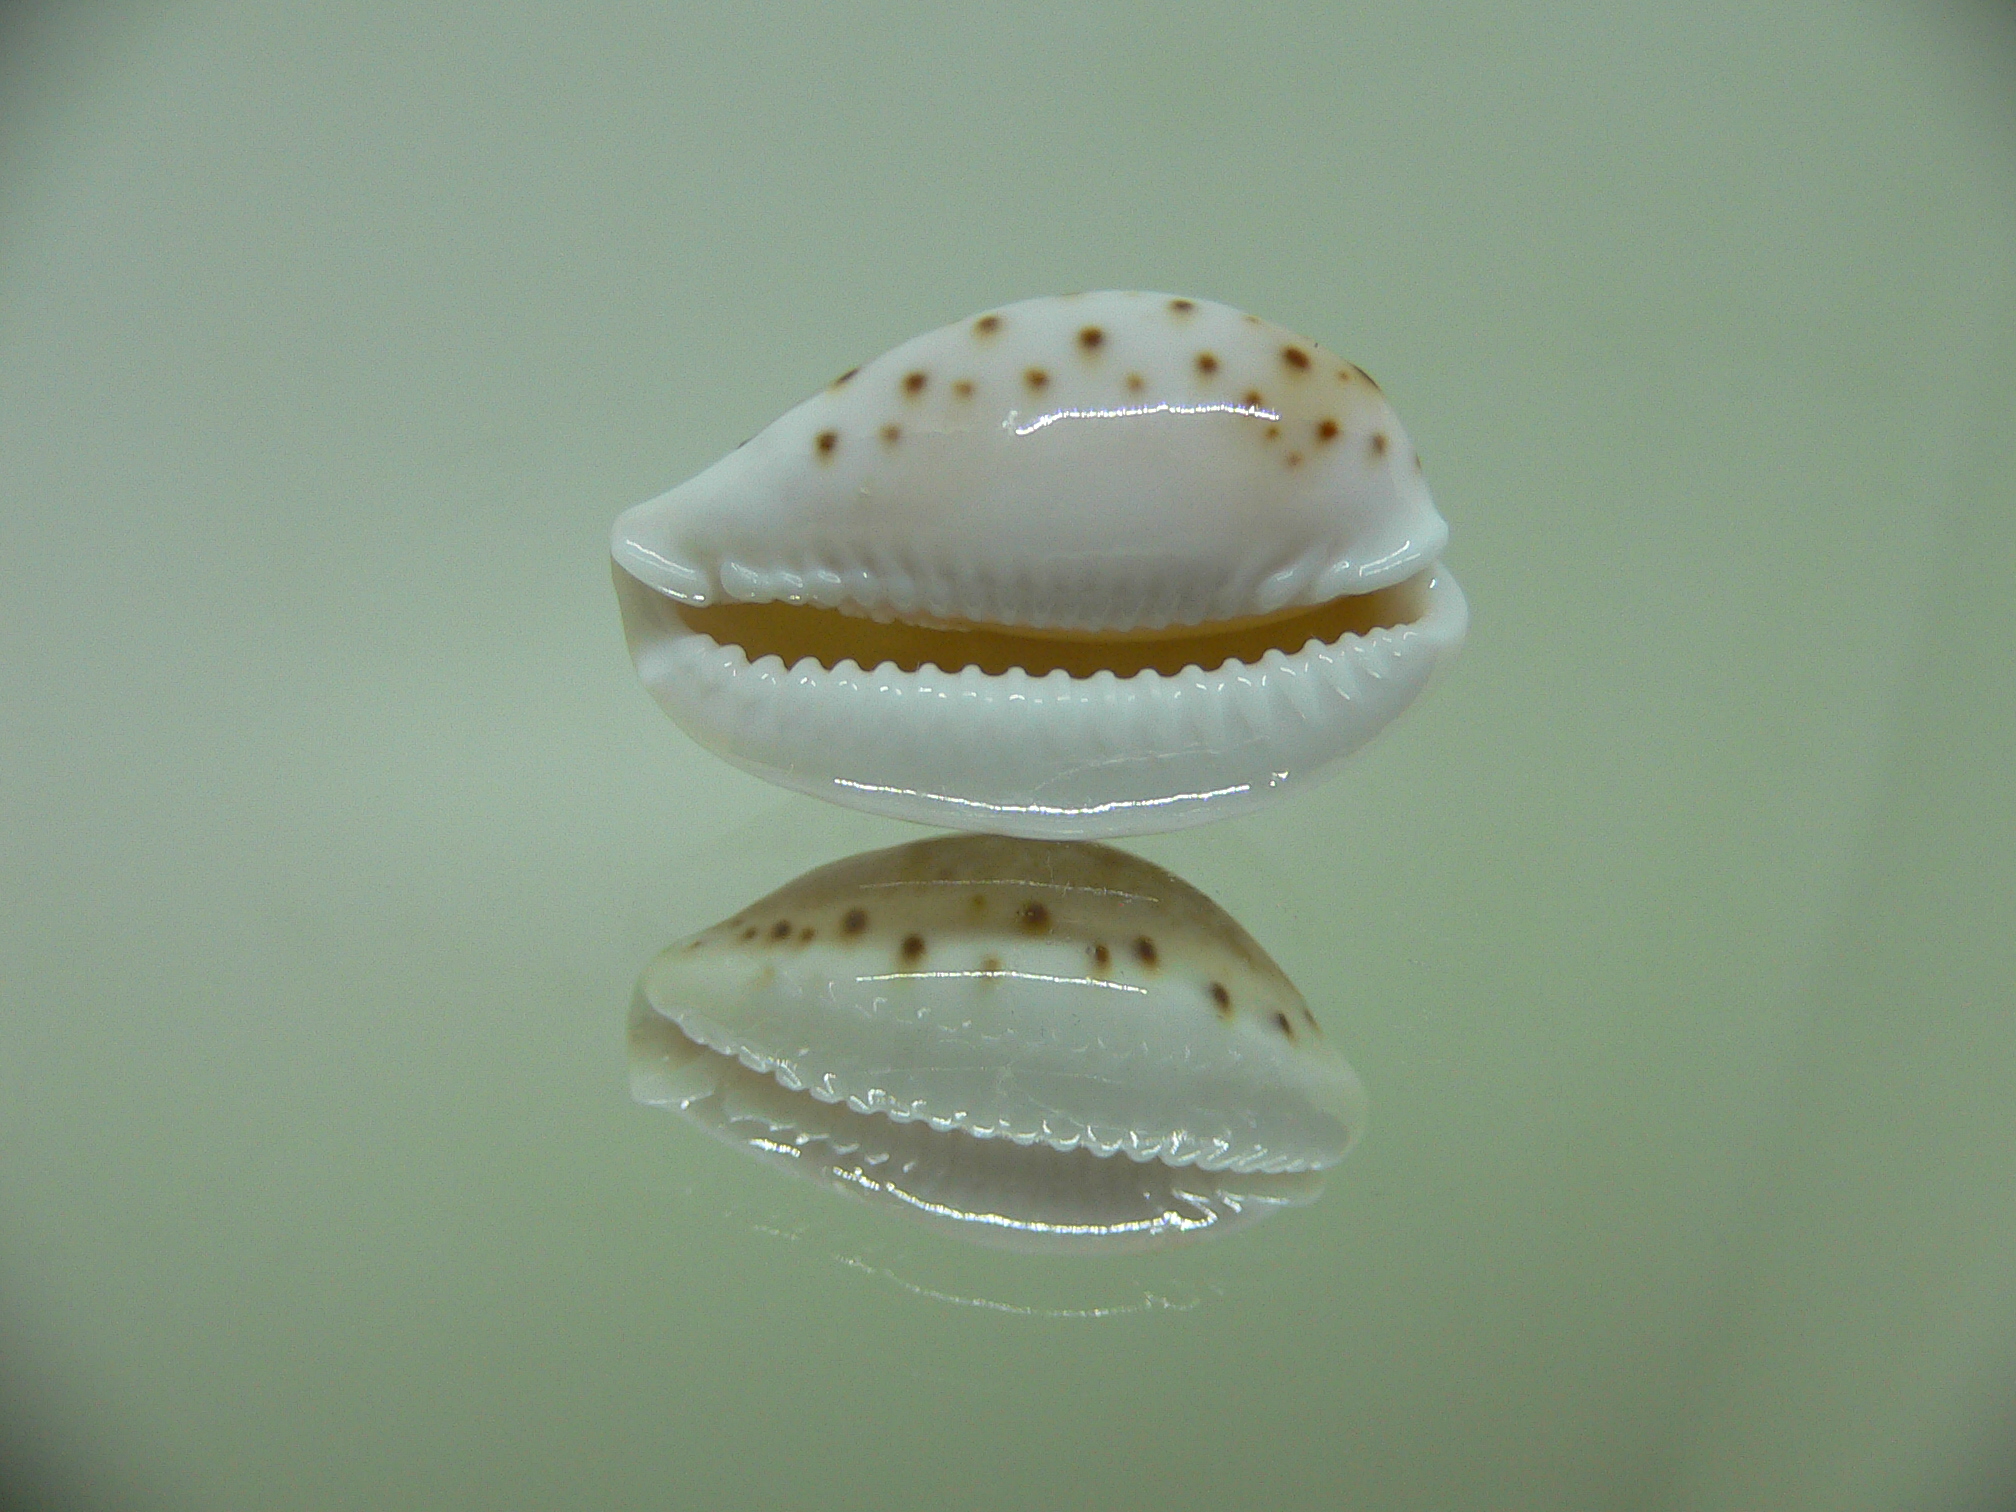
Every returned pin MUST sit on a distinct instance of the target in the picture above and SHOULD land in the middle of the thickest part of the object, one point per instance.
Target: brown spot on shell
(1293, 459)
(1417, 461)
(1036, 378)
(1182, 306)
(962, 388)
(1326, 429)
(978, 903)
(1221, 999)
(805, 935)
(1378, 443)
(991, 965)
(1296, 358)
(854, 921)
(1034, 918)
(987, 325)
(1281, 1022)
(913, 383)
(1250, 319)
(1136, 383)
(1145, 951)
(825, 441)
(781, 930)
(1252, 399)
(913, 947)
(1091, 338)
(1101, 956)
(1207, 362)
(751, 932)
(1273, 433)
(891, 434)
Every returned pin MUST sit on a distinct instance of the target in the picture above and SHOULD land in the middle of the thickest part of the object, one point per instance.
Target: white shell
(1040, 1043)
(1102, 484)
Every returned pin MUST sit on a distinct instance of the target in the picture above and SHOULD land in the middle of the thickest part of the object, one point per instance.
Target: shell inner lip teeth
(793, 632)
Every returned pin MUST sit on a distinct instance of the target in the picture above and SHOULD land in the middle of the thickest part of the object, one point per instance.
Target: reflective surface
(1670, 932)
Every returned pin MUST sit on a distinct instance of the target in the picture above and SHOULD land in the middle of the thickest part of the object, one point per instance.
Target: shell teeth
(824, 586)
(1071, 738)
(1084, 596)
(856, 576)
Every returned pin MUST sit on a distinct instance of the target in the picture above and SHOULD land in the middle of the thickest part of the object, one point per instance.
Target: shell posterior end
(642, 544)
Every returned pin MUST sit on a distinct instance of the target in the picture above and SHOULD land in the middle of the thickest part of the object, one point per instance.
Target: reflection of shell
(1111, 563)
(1051, 1044)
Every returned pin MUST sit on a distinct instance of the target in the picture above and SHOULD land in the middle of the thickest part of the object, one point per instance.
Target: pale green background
(1672, 934)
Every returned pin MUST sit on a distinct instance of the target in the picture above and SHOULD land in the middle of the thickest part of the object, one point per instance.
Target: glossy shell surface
(1049, 1044)
(1080, 566)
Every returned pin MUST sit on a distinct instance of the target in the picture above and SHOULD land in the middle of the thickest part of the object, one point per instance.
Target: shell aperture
(1081, 566)
(1049, 1045)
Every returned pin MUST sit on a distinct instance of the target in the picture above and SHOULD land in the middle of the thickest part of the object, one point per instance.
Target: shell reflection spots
(1028, 1089)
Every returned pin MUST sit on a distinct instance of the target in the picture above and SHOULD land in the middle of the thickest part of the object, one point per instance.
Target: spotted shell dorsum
(1080, 566)
(1037, 1043)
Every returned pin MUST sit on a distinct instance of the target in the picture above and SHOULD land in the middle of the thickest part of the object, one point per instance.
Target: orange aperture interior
(830, 636)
